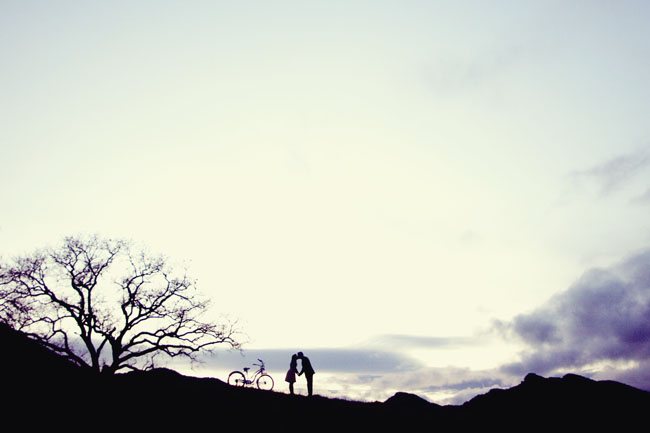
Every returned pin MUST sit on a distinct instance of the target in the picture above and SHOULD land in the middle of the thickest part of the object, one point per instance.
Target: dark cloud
(604, 317)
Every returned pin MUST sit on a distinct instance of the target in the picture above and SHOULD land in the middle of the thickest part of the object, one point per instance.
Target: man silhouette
(309, 372)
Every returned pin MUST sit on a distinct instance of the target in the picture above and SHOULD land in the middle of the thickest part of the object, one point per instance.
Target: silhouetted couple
(307, 370)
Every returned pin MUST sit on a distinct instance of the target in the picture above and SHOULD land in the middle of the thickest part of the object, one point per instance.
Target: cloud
(441, 385)
(400, 341)
(614, 174)
(455, 73)
(376, 373)
(600, 326)
(382, 354)
(470, 238)
(643, 199)
(362, 361)
(355, 361)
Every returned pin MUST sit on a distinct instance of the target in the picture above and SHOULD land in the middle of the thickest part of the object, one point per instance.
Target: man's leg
(310, 384)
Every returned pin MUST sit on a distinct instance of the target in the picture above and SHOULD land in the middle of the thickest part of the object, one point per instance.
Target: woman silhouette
(291, 373)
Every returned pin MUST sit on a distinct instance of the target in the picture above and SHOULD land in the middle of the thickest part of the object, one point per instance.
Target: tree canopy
(106, 305)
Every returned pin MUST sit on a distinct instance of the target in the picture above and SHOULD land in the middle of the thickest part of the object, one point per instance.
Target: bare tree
(105, 306)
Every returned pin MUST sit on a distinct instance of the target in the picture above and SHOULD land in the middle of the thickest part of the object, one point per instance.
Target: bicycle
(261, 378)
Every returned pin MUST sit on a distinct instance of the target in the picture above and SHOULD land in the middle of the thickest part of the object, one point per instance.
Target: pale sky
(407, 191)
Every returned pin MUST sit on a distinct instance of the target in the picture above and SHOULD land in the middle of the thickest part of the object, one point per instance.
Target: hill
(43, 388)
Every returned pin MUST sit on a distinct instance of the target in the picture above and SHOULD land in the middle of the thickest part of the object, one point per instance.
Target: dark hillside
(41, 388)
(571, 399)
(29, 365)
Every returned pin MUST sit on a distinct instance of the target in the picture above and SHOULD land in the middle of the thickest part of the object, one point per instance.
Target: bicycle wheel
(265, 382)
(236, 378)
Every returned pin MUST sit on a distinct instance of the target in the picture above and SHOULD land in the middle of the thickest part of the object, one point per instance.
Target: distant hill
(40, 387)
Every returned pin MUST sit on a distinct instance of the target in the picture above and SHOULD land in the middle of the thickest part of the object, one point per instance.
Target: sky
(434, 197)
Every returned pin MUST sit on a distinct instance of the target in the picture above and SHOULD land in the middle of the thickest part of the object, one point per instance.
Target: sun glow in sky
(401, 188)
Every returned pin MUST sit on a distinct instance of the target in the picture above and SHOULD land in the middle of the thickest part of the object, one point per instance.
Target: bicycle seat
(246, 369)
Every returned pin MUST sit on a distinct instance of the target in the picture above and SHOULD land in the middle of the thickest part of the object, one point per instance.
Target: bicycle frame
(256, 375)
(261, 378)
